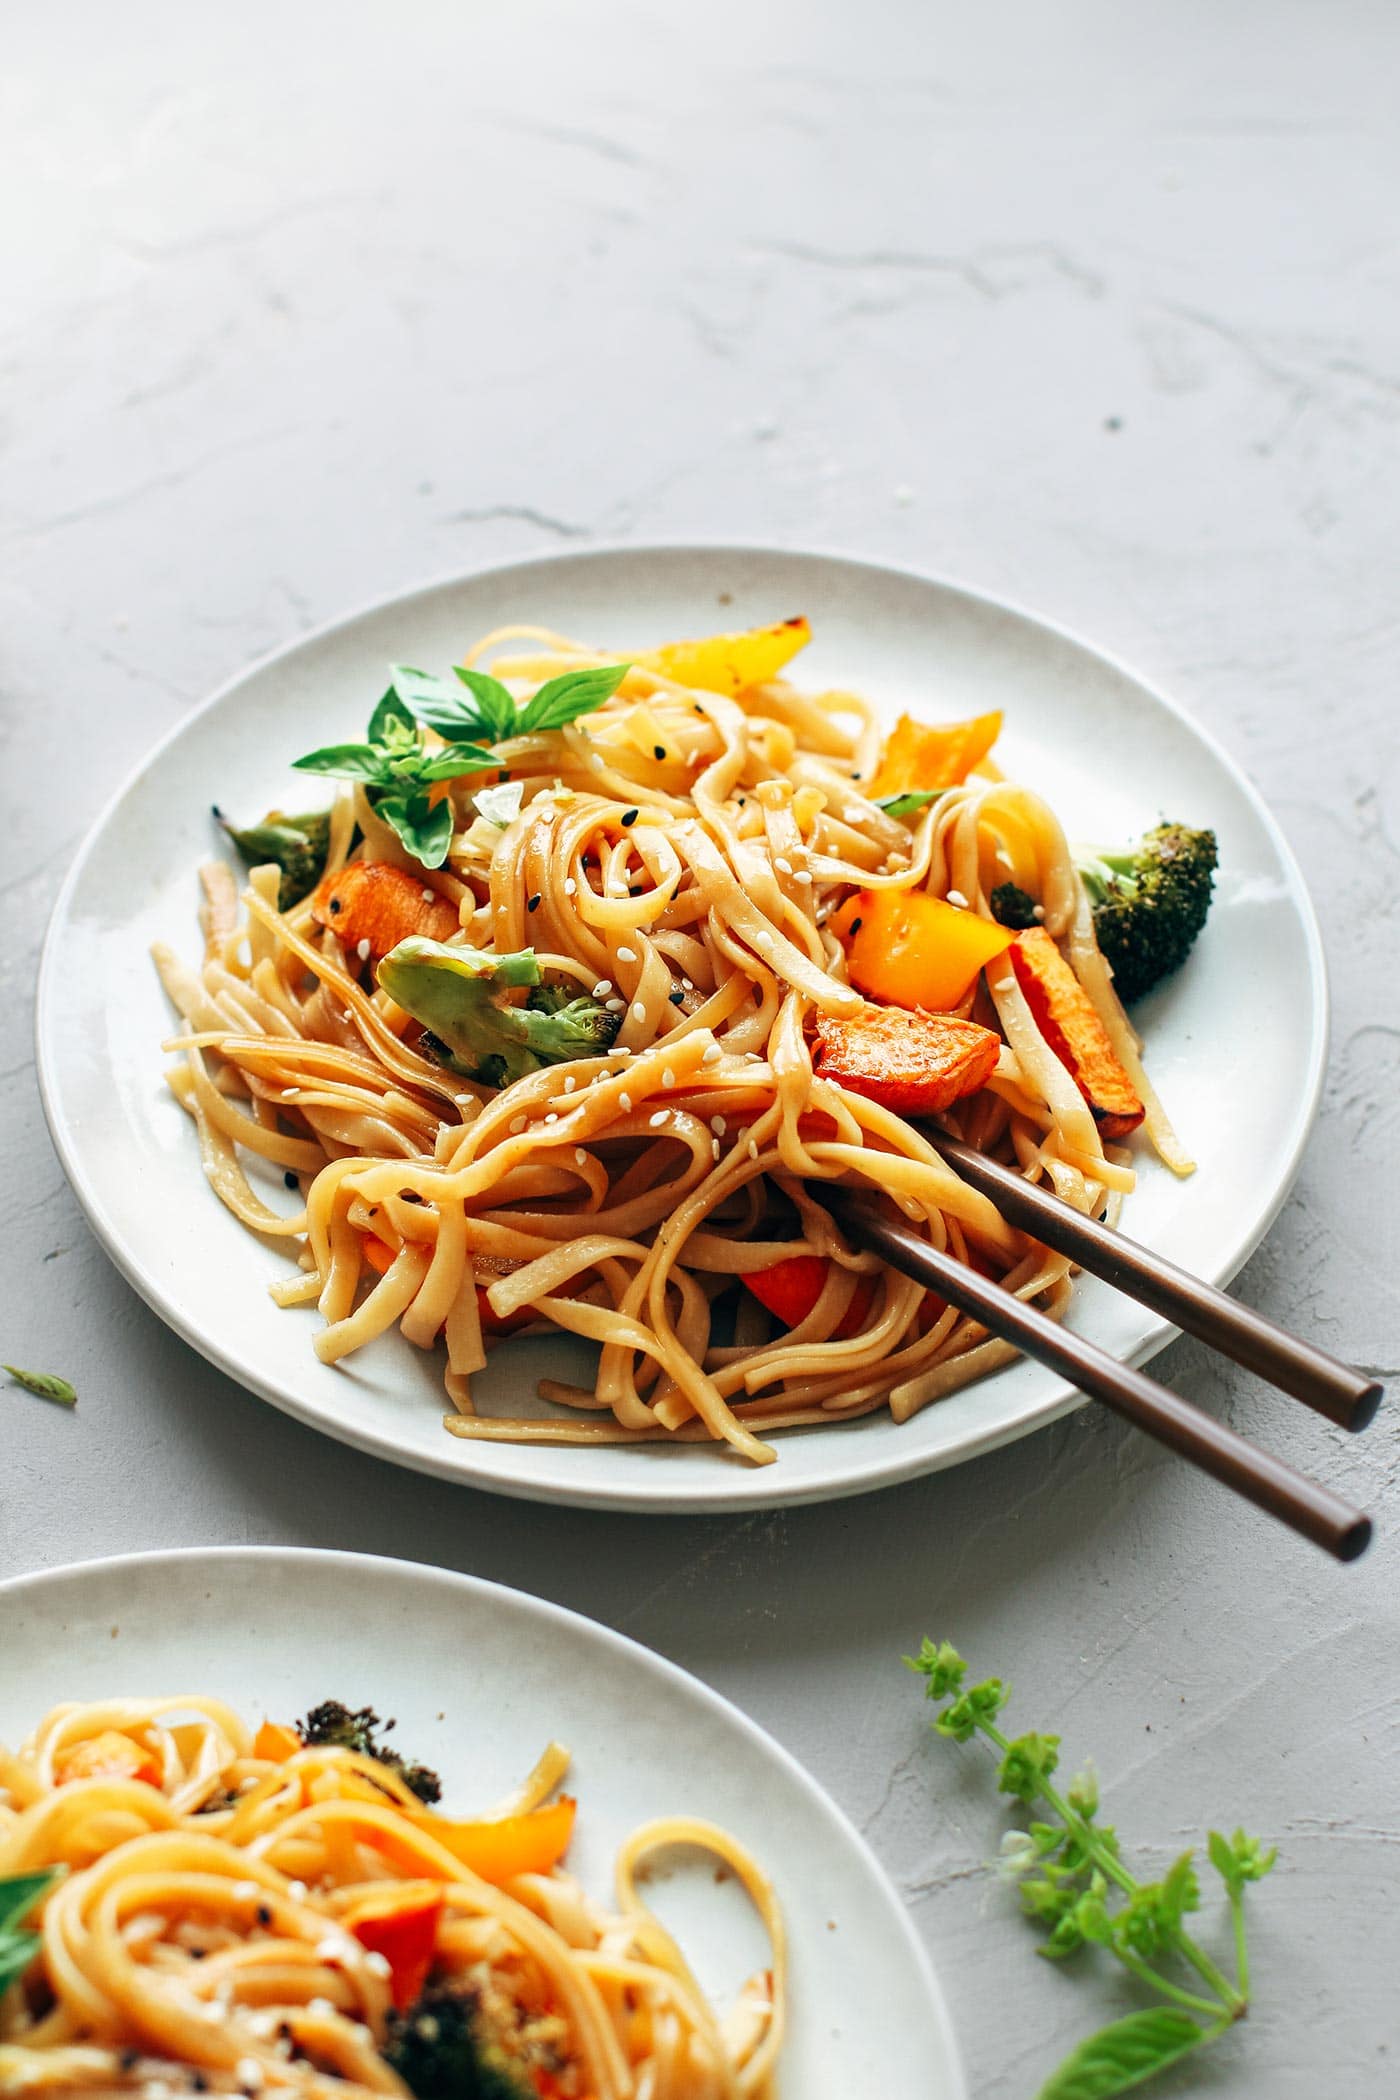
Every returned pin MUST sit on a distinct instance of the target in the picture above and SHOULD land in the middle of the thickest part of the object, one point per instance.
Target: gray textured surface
(1092, 305)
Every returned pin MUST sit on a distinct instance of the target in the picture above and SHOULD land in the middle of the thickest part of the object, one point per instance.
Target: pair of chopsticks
(1333, 1389)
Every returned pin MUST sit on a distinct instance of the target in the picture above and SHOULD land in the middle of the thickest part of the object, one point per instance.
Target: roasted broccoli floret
(1012, 906)
(440, 2052)
(1150, 904)
(457, 995)
(297, 845)
(349, 1729)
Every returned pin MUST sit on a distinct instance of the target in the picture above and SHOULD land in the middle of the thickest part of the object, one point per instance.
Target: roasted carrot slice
(906, 948)
(110, 1755)
(927, 755)
(404, 1930)
(1065, 1016)
(914, 1063)
(372, 901)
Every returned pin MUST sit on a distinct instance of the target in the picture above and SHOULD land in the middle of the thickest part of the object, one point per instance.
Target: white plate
(1236, 1042)
(479, 1679)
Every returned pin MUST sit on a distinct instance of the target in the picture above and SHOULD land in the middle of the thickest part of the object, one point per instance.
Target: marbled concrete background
(1095, 304)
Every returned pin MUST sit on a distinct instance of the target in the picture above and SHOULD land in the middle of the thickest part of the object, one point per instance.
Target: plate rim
(634, 1652)
(644, 1498)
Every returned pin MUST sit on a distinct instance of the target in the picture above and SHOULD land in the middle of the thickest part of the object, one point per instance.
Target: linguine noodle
(678, 855)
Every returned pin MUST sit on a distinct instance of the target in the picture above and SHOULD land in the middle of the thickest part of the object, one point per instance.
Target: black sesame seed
(658, 750)
(263, 1915)
(129, 2059)
(198, 2082)
(534, 903)
(409, 1196)
(855, 927)
(198, 1953)
(335, 906)
(289, 1179)
(677, 998)
(630, 816)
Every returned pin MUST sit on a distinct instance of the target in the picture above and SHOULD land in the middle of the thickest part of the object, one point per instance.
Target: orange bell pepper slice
(789, 1289)
(924, 755)
(906, 948)
(504, 1846)
(1069, 1022)
(276, 1743)
(404, 1930)
(110, 1755)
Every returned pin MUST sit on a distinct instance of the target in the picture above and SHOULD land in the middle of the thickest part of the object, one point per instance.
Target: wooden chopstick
(1308, 1508)
(1332, 1388)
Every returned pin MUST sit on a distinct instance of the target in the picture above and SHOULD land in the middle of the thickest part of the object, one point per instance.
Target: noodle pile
(678, 855)
(203, 1937)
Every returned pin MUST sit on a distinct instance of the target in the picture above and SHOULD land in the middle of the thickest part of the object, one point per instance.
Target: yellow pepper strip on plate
(500, 1848)
(906, 948)
(919, 755)
(730, 663)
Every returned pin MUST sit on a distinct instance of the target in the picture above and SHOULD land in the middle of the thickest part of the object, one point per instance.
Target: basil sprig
(490, 710)
(397, 768)
(18, 1895)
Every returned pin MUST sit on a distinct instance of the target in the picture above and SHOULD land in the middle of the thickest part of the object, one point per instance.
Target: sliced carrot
(404, 1931)
(906, 948)
(791, 1288)
(925, 755)
(917, 1064)
(1065, 1016)
(371, 900)
(110, 1755)
(379, 1255)
(276, 1743)
(500, 1849)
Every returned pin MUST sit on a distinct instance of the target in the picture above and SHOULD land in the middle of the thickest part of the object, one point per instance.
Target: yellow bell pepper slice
(924, 755)
(276, 1743)
(905, 948)
(500, 1849)
(730, 663)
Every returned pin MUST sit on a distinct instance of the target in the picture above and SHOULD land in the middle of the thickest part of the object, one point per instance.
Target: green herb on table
(18, 1895)
(1074, 1884)
(489, 710)
(49, 1387)
(398, 771)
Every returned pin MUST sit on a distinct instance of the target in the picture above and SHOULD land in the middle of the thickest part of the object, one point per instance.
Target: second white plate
(1236, 1043)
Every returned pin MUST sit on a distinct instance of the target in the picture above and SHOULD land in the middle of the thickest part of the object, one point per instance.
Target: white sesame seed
(428, 896)
(618, 889)
(763, 938)
(639, 1012)
(614, 1006)
(378, 1964)
(333, 1947)
(602, 987)
(713, 1054)
(627, 955)
(248, 2071)
(718, 1125)
(245, 1892)
(803, 875)
(714, 1148)
(784, 867)
(659, 1118)
(668, 1077)
(551, 1117)
(624, 1102)
(1038, 911)
(753, 1148)
(569, 1082)
(686, 985)
(517, 1124)
(595, 759)
(321, 2006)
(291, 1093)
(957, 897)
(580, 1156)
(297, 1891)
(362, 949)
(570, 886)
(852, 816)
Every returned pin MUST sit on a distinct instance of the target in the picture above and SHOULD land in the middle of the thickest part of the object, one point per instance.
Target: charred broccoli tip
(1014, 907)
(438, 2049)
(1150, 904)
(355, 1729)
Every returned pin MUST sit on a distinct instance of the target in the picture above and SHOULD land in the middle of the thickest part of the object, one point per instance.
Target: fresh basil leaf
(48, 1386)
(462, 758)
(20, 1892)
(393, 713)
(906, 804)
(346, 761)
(500, 805)
(1123, 2055)
(564, 699)
(425, 828)
(495, 704)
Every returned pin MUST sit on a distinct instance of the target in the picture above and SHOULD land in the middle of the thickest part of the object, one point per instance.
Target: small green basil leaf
(495, 704)
(393, 713)
(425, 829)
(20, 1892)
(346, 761)
(564, 699)
(462, 758)
(49, 1386)
(1123, 2055)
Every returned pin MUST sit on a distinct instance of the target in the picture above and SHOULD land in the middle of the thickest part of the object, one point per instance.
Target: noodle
(678, 856)
(208, 1929)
